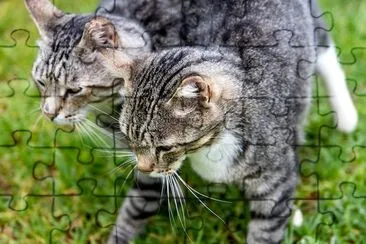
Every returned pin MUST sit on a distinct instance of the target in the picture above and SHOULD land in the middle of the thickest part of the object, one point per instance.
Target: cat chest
(214, 163)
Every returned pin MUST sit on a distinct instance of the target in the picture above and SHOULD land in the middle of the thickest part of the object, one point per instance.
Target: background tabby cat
(81, 179)
(244, 99)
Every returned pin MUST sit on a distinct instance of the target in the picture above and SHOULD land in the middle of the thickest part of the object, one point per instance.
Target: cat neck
(214, 163)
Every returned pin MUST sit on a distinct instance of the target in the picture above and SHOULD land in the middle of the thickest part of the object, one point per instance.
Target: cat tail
(328, 67)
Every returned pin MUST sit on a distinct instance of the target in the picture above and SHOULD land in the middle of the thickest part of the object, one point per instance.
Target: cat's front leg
(142, 201)
(270, 205)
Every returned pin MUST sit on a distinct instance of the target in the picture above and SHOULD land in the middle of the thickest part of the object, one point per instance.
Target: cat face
(67, 83)
(68, 71)
(175, 104)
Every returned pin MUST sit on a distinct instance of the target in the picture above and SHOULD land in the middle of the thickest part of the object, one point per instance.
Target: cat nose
(46, 111)
(145, 168)
(145, 165)
(51, 116)
(50, 108)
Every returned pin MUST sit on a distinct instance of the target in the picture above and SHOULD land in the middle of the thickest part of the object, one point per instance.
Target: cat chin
(159, 174)
(61, 120)
(173, 168)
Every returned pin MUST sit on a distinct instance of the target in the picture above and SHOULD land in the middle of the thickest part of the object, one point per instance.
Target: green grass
(52, 190)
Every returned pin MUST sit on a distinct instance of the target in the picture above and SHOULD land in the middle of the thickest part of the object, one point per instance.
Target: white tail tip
(298, 218)
(347, 119)
(340, 99)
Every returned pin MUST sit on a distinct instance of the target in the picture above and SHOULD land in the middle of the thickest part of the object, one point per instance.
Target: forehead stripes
(151, 80)
(55, 63)
(155, 83)
(69, 34)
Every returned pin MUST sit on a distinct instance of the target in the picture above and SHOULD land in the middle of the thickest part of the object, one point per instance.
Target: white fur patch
(213, 163)
(188, 91)
(331, 72)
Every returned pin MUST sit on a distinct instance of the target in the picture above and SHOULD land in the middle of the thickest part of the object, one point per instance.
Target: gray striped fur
(264, 102)
(257, 58)
(68, 71)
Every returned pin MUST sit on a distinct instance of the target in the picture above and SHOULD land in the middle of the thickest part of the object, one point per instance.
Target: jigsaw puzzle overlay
(59, 184)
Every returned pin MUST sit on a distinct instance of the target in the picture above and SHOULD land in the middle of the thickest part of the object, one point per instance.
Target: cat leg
(270, 207)
(142, 201)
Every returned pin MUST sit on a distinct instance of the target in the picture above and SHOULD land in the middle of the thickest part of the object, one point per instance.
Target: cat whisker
(128, 176)
(116, 153)
(101, 111)
(180, 195)
(89, 133)
(199, 193)
(124, 152)
(162, 188)
(182, 218)
(39, 118)
(190, 189)
(81, 130)
(119, 166)
(116, 156)
(112, 136)
(175, 193)
(170, 212)
(96, 127)
(96, 137)
(100, 129)
(131, 160)
(33, 110)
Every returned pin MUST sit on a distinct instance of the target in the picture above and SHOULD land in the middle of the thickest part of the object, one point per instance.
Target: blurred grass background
(55, 187)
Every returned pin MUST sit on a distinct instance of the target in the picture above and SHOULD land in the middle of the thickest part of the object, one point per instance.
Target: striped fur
(262, 158)
(256, 91)
(142, 201)
(256, 58)
(68, 71)
(261, 161)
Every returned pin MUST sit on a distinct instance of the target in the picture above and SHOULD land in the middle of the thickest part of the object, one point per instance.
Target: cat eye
(164, 148)
(74, 91)
(41, 83)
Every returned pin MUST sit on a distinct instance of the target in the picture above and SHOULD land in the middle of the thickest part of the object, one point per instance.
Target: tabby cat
(242, 96)
(232, 101)
(68, 72)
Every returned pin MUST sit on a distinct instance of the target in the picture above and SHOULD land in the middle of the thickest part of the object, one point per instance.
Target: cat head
(68, 71)
(176, 103)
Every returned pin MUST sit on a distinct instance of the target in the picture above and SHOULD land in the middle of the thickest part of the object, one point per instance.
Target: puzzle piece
(57, 186)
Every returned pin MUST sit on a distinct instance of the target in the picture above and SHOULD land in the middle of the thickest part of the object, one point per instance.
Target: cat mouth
(162, 173)
(159, 173)
(68, 119)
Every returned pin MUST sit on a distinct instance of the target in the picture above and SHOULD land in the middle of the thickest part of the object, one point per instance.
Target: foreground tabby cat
(239, 104)
(233, 107)
(68, 72)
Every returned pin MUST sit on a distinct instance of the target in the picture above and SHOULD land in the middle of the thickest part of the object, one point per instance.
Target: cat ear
(196, 87)
(45, 15)
(119, 64)
(99, 33)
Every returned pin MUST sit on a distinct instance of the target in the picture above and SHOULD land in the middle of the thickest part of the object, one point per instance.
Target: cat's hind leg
(270, 197)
